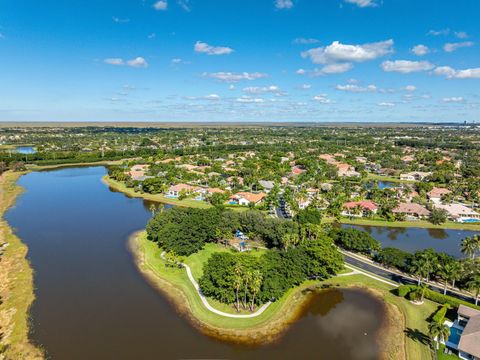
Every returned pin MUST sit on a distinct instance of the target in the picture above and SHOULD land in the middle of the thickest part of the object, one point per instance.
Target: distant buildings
(247, 198)
(458, 212)
(414, 176)
(412, 211)
(436, 194)
(362, 208)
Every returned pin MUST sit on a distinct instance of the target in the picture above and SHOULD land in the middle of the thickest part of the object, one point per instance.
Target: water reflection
(91, 302)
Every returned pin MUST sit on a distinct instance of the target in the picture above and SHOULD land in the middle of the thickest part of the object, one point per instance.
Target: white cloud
(160, 5)
(137, 62)
(184, 4)
(453, 99)
(439, 32)
(386, 104)
(176, 61)
(204, 48)
(304, 41)
(356, 88)
(152, 36)
(451, 73)
(420, 50)
(362, 3)
(338, 52)
(283, 4)
(410, 88)
(212, 97)
(461, 34)
(231, 87)
(323, 99)
(248, 99)
(305, 86)
(406, 66)
(336, 68)
(119, 20)
(234, 77)
(114, 61)
(450, 47)
(2, 36)
(265, 89)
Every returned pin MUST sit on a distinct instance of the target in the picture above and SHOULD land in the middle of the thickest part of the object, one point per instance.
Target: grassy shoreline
(16, 282)
(422, 224)
(120, 187)
(267, 327)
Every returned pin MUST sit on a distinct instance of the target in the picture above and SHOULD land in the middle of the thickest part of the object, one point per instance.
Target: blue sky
(232, 60)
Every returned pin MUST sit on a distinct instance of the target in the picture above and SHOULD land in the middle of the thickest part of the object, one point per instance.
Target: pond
(413, 239)
(92, 303)
(25, 150)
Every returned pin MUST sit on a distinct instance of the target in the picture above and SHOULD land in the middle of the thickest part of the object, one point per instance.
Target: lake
(413, 239)
(92, 303)
(25, 150)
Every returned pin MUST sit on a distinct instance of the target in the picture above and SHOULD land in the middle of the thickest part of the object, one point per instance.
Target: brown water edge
(389, 337)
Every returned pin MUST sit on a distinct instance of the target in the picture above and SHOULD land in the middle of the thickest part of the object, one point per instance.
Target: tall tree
(474, 285)
(438, 332)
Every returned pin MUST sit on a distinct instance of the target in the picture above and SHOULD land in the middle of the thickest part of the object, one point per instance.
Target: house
(175, 190)
(407, 158)
(412, 210)
(414, 176)
(211, 191)
(436, 194)
(267, 185)
(247, 198)
(296, 170)
(359, 208)
(346, 170)
(137, 172)
(465, 333)
(458, 212)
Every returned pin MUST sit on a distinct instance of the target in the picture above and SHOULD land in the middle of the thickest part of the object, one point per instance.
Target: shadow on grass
(417, 335)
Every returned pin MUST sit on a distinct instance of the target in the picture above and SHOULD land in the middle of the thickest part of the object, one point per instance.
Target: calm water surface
(413, 239)
(91, 303)
(25, 150)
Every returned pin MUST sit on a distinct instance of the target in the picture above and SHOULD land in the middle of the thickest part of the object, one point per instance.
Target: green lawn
(405, 224)
(416, 325)
(119, 186)
(442, 356)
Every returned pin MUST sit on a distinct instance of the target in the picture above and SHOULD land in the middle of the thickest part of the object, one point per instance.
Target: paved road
(396, 277)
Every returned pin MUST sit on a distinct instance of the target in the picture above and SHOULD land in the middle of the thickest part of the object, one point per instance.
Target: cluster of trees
(186, 230)
(428, 265)
(297, 252)
(355, 240)
(247, 280)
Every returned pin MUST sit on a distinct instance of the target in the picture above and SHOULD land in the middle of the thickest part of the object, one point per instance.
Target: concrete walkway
(210, 307)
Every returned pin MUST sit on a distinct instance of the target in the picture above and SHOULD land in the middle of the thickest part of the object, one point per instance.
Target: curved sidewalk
(210, 307)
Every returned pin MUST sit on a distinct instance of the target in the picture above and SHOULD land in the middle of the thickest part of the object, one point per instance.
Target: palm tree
(474, 285)
(469, 246)
(153, 209)
(255, 285)
(456, 272)
(247, 279)
(237, 283)
(438, 332)
(447, 273)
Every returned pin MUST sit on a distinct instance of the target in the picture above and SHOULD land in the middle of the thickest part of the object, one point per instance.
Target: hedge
(404, 290)
(440, 314)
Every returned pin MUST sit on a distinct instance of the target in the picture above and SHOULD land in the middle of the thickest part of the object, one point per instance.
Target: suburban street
(394, 277)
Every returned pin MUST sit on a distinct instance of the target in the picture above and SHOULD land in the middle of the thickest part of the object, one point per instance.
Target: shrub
(404, 290)
(440, 313)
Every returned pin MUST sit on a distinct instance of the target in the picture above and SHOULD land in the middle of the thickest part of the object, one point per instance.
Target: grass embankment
(388, 179)
(35, 167)
(174, 283)
(422, 224)
(16, 282)
(120, 187)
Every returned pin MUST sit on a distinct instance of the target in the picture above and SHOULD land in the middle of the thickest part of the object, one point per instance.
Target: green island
(213, 265)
